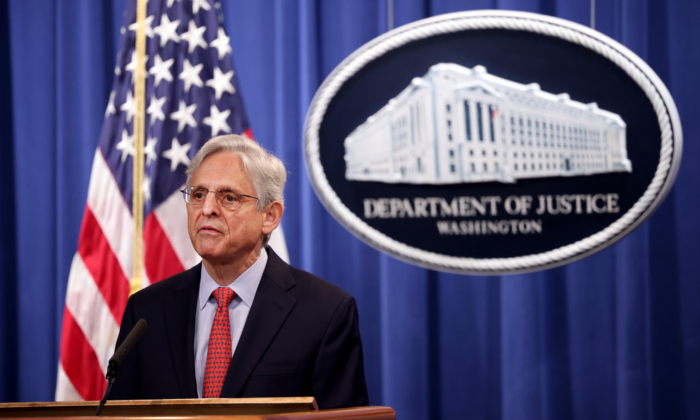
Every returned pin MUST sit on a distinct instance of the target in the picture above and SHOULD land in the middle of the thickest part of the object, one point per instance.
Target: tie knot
(223, 296)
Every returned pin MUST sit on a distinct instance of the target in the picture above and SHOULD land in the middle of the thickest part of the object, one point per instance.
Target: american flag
(191, 96)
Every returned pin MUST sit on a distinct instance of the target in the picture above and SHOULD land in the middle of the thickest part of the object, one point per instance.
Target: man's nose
(210, 206)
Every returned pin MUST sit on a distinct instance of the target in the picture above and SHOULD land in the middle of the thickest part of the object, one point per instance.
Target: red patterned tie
(219, 350)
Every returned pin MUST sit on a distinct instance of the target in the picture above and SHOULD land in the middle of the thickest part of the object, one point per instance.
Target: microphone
(115, 362)
(129, 342)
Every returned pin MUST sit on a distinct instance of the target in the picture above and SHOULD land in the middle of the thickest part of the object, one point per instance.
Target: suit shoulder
(315, 287)
(169, 286)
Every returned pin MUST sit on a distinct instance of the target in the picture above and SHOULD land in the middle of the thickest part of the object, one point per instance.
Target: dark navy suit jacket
(301, 338)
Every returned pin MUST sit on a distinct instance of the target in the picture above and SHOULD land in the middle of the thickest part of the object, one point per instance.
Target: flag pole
(136, 282)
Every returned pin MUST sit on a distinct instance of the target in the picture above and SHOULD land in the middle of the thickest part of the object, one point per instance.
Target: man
(243, 323)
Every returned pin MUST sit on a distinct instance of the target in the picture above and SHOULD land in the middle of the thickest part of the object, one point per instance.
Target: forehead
(221, 170)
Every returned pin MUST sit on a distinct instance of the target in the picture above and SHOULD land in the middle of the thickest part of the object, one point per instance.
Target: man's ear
(272, 215)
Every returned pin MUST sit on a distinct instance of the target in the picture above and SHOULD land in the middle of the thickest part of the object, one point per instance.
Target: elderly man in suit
(243, 323)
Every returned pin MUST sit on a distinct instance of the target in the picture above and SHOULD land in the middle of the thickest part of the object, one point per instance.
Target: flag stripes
(102, 265)
(111, 211)
(91, 312)
(97, 289)
(64, 388)
(79, 361)
(170, 215)
(160, 261)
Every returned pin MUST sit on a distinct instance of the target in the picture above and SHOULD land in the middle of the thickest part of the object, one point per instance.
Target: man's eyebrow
(225, 189)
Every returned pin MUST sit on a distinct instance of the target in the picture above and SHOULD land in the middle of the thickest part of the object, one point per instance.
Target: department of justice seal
(492, 142)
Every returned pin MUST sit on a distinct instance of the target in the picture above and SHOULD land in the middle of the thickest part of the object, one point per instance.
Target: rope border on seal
(626, 60)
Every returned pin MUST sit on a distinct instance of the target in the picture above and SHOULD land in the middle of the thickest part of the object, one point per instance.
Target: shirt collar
(245, 285)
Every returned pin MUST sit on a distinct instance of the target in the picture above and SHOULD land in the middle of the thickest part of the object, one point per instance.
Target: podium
(293, 408)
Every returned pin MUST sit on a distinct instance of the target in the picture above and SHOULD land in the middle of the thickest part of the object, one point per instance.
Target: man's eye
(230, 198)
(198, 195)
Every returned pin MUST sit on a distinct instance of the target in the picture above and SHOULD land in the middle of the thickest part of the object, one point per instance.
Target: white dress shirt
(245, 287)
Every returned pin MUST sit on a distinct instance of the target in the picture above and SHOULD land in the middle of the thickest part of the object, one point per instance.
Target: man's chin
(208, 253)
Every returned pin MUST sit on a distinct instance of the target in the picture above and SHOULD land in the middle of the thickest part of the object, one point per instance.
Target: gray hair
(265, 171)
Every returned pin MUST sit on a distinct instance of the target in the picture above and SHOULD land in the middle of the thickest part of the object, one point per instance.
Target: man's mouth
(208, 229)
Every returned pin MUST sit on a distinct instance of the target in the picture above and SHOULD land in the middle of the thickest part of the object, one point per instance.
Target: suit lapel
(179, 313)
(271, 306)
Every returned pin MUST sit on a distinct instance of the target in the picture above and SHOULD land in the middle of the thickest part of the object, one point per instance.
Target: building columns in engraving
(460, 125)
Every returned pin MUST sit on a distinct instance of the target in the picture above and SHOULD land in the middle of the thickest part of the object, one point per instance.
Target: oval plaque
(492, 142)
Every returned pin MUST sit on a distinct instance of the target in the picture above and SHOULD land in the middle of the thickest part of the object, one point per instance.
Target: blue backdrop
(616, 335)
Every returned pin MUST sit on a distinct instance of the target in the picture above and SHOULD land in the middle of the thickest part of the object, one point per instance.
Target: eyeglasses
(195, 196)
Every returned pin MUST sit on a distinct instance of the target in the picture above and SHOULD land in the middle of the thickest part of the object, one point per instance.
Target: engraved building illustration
(460, 125)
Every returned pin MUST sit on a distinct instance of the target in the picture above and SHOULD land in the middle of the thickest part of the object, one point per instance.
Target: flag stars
(118, 60)
(221, 43)
(132, 65)
(155, 109)
(177, 154)
(221, 82)
(146, 187)
(194, 37)
(150, 150)
(110, 105)
(196, 4)
(149, 31)
(217, 120)
(184, 116)
(126, 145)
(161, 70)
(167, 30)
(170, 2)
(190, 74)
(129, 106)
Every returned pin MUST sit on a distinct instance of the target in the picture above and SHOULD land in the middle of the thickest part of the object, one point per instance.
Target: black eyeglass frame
(186, 193)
